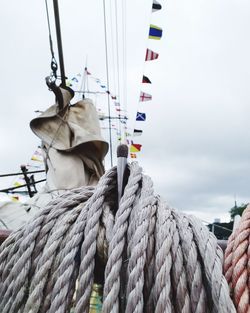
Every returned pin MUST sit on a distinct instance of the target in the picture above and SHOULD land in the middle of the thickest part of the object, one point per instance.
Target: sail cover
(72, 143)
(73, 151)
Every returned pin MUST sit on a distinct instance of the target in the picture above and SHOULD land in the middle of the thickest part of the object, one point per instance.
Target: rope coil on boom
(173, 262)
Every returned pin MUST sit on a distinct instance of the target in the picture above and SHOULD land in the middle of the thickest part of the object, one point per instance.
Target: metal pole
(15, 174)
(59, 41)
(17, 187)
(27, 180)
(122, 155)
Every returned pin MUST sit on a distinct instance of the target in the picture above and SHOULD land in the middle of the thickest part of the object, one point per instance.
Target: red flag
(135, 147)
(151, 55)
(145, 96)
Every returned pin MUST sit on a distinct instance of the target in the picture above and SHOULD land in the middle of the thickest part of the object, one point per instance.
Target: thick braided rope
(9, 248)
(108, 222)
(236, 263)
(174, 263)
(88, 249)
(163, 260)
(105, 233)
(192, 265)
(68, 222)
(132, 221)
(212, 258)
(42, 224)
(70, 202)
(228, 257)
(16, 238)
(114, 263)
(73, 246)
(180, 292)
(46, 260)
(15, 287)
(65, 267)
(150, 261)
(137, 260)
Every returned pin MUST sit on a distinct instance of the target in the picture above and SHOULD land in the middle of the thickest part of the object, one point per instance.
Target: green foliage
(237, 210)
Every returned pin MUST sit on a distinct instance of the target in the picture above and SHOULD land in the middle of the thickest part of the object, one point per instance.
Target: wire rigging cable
(54, 66)
(117, 51)
(107, 74)
(118, 43)
(84, 82)
(113, 54)
(113, 59)
(20, 173)
(124, 41)
(59, 41)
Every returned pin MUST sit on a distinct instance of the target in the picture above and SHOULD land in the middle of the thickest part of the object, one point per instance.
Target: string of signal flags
(155, 33)
(121, 115)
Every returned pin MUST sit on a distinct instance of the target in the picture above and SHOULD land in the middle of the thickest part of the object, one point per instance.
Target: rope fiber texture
(237, 264)
(149, 257)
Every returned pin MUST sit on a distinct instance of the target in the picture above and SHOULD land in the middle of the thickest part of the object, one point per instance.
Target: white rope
(163, 260)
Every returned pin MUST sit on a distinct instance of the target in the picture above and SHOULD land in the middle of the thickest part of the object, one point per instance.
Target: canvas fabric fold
(72, 127)
(72, 143)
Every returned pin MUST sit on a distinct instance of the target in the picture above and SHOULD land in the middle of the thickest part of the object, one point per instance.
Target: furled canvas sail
(73, 153)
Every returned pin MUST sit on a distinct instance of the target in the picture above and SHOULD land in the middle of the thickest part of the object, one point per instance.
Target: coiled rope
(172, 262)
(237, 262)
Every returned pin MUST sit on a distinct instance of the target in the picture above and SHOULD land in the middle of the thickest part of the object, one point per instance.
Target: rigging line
(17, 174)
(117, 50)
(87, 82)
(25, 185)
(50, 37)
(113, 48)
(114, 69)
(1, 221)
(107, 74)
(91, 92)
(54, 65)
(82, 87)
(113, 58)
(86, 79)
(59, 41)
(124, 36)
(117, 59)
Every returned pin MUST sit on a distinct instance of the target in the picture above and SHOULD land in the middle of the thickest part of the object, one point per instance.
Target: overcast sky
(196, 140)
